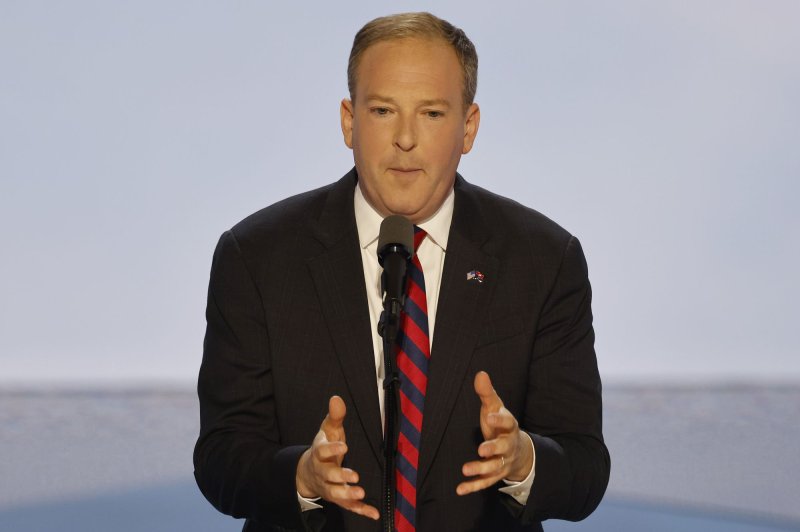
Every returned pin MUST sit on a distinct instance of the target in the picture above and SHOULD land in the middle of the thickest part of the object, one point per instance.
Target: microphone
(395, 250)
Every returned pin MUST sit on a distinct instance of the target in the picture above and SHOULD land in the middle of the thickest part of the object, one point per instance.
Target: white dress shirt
(431, 253)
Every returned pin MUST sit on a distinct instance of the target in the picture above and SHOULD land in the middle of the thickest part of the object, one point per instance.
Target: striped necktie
(412, 361)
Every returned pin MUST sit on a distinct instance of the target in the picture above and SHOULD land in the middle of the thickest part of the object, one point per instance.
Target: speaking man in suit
(500, 399)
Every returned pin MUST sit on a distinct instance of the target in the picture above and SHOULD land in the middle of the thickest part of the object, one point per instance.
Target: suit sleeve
(240, 465)
(563, 411)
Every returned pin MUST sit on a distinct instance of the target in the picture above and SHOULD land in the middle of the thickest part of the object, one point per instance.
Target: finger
(501, 446)
(340, 475)
(344, 493)
(495, 465)
(486, 392)
(502, 421)
(471, 486)
(333, 424)
(327, 451)
(362, 509)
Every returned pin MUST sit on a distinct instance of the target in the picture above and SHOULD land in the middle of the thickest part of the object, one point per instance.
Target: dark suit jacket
(288, 327)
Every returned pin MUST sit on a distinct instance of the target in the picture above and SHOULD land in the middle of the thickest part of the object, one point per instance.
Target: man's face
(407, 126)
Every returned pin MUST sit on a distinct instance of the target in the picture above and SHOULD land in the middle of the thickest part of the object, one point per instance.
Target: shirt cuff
(308, 504)
(519, 491)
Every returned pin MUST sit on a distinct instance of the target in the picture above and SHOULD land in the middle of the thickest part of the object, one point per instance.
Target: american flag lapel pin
(475, 275)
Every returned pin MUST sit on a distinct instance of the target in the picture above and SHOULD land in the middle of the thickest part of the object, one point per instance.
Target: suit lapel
(339, 281)
(462, 306)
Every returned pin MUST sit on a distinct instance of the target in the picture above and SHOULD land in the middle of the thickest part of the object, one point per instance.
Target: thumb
(333, 425)
(486, 392)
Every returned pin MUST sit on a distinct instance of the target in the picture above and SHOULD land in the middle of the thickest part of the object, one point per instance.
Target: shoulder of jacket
(514, 221)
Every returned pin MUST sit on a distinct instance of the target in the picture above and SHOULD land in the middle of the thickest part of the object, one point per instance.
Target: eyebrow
(424, 103)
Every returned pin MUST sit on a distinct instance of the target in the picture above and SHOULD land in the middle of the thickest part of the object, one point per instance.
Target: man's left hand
(506, 452)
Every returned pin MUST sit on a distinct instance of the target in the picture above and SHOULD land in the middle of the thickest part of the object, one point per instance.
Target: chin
(403, 211)
(397, 208)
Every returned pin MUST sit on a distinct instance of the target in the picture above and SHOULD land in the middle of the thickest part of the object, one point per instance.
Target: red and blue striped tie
(412, 361)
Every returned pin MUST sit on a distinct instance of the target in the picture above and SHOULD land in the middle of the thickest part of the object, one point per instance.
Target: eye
(380, 111)
(434, 114)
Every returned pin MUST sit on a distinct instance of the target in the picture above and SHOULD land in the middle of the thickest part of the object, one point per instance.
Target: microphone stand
(388, 327)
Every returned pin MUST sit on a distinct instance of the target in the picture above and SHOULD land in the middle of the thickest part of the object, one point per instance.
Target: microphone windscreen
(396, 229)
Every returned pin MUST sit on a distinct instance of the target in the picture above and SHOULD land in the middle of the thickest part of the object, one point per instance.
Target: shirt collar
(368, 221)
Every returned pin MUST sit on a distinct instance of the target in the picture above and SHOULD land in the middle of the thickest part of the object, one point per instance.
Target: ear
(471, 124)
(346, 115)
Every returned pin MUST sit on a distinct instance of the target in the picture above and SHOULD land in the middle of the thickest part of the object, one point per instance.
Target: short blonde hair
(425, 25)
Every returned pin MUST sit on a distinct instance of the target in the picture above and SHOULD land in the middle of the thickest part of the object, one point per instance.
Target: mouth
(404, 170)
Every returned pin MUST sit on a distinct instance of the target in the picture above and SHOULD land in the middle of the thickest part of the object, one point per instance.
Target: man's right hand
(320, 472)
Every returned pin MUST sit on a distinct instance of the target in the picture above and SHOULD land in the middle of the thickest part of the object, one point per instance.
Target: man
(503, 393)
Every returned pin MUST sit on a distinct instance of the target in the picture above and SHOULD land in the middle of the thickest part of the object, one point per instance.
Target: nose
(405, 136)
